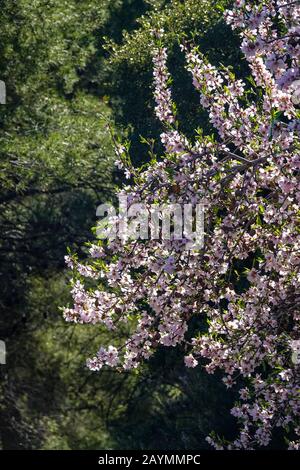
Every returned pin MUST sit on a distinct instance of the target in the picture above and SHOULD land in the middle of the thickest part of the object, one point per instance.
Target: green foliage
(56, 165)
(130, 66)
(172, 407)
(60, 145)
(46, 44)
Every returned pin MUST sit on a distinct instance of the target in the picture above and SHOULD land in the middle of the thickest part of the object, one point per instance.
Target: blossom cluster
(245, 280)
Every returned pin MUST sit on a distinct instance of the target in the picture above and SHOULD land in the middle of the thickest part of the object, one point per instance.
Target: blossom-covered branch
(245, 280)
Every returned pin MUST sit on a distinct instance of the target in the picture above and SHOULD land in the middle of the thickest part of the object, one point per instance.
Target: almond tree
(244, 281)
